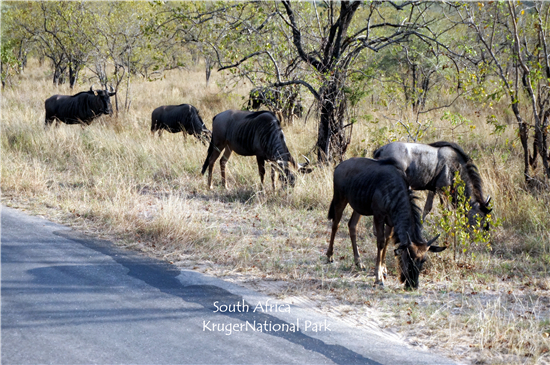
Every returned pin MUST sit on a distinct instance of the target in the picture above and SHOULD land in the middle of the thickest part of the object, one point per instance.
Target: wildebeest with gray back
(379, 188)
(250, 134)
(432, 167)
(179, 118)
(81, 108)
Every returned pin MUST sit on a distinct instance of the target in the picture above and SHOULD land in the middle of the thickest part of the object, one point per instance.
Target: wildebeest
(379, 188)
(178, 118)
(250, 134)
(80, 108)
(284, 103)
(432, 167)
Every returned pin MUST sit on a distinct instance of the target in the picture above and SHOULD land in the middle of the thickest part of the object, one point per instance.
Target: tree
(14, 45)
(61, 31)
(316, 45)
(512, 45)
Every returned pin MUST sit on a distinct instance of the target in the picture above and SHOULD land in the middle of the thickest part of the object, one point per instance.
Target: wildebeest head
(199, 129)
(104, 97)
(411, 257)
(478, 214)
(287, 176)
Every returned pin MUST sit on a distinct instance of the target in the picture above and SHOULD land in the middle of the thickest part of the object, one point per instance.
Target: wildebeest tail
(210, 151)
(331, 210)
(376, 154)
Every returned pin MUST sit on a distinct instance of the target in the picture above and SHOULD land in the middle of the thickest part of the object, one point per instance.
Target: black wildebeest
(283, 102)
(178, 118)
(80, 108)
(379, 188)
(432, 167)
(250, 134)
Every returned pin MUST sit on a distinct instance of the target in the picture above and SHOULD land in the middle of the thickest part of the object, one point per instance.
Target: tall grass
(114, 179)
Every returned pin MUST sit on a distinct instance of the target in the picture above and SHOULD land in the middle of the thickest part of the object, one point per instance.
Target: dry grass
(115, 180)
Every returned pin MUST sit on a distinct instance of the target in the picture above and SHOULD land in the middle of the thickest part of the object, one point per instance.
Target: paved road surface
(71, 299)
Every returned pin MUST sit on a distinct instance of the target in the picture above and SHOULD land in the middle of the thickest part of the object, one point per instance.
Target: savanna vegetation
(366, 74)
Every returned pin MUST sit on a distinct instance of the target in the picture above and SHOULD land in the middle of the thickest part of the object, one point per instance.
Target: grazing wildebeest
(178, 118)
(379, 188)
(284, 103)
(432, 167)
(80, 108)
(250, 134)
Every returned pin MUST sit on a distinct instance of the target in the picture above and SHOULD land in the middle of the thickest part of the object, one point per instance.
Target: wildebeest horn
(113, 92)
(430, 242)
(488, 200)
(303, 168)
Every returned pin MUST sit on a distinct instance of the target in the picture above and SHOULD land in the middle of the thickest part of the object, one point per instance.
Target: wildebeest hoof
(379, 284)
(360, 266)
(330, 259)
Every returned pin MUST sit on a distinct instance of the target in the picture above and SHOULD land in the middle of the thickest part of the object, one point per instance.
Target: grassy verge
(114, 180)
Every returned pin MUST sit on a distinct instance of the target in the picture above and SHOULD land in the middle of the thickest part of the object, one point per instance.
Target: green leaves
(465, 238)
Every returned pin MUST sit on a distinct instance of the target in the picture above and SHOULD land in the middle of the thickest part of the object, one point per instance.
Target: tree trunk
(73, 74)
(208, 66)
(333, 138)
(524, 138)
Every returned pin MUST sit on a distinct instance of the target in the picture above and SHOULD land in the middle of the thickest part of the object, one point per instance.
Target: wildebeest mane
(270, 135)
(253, 115)
(472, 173)
(398, 200)
(457, 148)
(82, 106)
(269, 132)
(398, 213)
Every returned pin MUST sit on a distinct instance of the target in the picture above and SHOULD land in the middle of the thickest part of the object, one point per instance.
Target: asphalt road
(71, 299)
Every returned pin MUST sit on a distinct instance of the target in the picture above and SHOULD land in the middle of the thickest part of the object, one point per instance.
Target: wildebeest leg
(381, 244)
(429, 204)
(273, 173)
(388, 236)
(261, 169)
(211, 161)
(337, 207)
(48, 123)
(352, 225)
(223, 162)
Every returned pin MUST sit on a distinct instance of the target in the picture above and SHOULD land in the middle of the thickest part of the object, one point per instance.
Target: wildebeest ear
(437, 248)
(397, 251)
